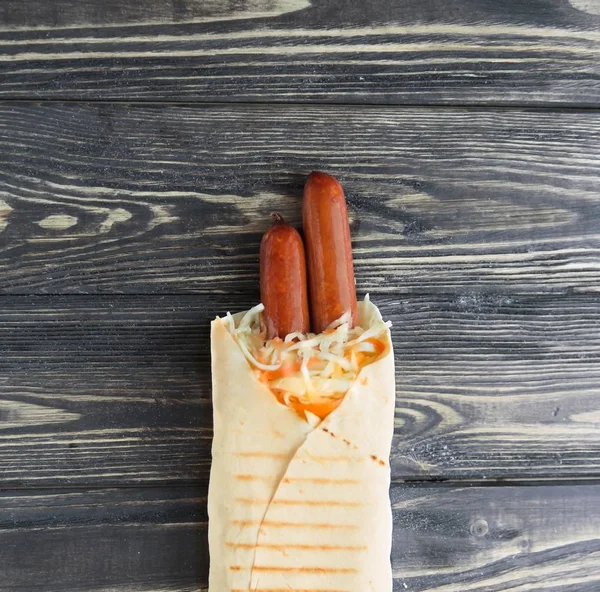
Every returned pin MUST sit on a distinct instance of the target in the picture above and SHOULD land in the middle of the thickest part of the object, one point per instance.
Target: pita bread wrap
(295, 507)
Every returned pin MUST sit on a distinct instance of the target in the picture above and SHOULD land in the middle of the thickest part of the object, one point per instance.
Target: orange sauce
(322, 406)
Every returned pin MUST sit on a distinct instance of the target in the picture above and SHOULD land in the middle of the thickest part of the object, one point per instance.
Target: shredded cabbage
(309, 373)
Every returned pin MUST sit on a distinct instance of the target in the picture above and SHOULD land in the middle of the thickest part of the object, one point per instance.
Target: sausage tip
(321, 178)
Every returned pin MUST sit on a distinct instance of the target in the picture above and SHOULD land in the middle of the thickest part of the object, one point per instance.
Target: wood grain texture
(474, 229)
(477, 539)
(518, 539)
(103, 540)
(116, 390)
(415, 51)
(105, 198)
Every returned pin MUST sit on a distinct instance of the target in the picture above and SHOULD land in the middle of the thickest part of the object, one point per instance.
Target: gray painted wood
(538, 52)
(170, 199)
(474, 229)
(116, 389)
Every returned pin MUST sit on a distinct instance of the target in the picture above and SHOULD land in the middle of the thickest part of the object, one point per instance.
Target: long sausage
(283, 288)
(329, 251)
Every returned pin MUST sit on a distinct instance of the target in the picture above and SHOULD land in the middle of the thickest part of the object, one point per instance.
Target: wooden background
(142, 147)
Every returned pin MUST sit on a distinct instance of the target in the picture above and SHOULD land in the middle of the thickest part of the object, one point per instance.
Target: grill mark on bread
(261, 454)
(279, 524)
(347, 442)
(290, 502)
(288, 590)
(321, 480)
(288, 480)
(334, 458)
(281, 569)
(285, 569)
(298, 547)
(248, 477)
(334, 503)
(378, 460)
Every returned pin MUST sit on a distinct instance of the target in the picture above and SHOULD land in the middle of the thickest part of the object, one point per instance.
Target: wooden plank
(492, 539)
(478, 539)
(417, 51)
(105, 198)
(116, 390)
(56, 540)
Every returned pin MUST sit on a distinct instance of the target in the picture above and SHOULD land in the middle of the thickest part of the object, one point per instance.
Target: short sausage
(283, 289)
(329, 251)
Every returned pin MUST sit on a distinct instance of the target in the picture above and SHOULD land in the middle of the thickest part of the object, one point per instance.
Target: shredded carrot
(262, 375)
(314, 363)
(334, 361)
(324, 407)
(321, 408)
(286, 370)
(377, 344)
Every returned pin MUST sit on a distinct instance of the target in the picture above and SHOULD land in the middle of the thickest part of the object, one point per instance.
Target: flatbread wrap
(299, 484)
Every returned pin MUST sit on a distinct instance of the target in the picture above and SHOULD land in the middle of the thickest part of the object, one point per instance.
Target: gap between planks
(416, 483)
(499, 106)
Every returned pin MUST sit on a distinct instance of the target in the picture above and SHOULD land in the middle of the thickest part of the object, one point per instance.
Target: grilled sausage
(329, 251)
(283, 289)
